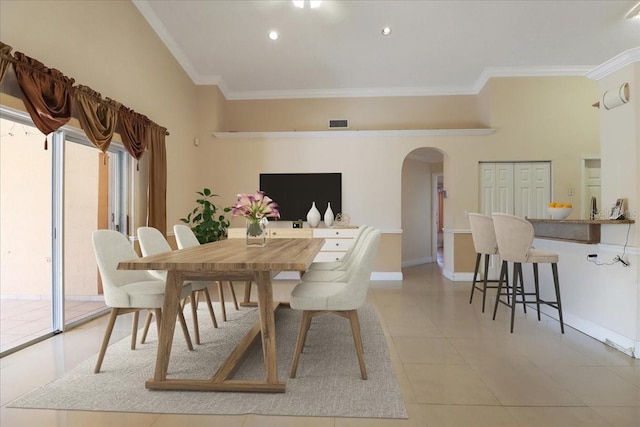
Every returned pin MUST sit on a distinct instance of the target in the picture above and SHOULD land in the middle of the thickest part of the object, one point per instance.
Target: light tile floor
(455, 366)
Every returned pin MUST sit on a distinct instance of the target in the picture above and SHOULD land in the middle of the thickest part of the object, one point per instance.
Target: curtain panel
(157, 203)
(5, 59)
(98, 117)
(47, 93)
(133, 129)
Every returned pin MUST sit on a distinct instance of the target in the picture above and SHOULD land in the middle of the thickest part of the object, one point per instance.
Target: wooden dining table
(229, 259)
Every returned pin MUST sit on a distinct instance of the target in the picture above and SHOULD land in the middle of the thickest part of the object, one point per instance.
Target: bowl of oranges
(559, 210)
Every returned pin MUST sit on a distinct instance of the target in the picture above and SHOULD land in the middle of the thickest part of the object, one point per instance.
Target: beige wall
(444, 112)
(109, 46)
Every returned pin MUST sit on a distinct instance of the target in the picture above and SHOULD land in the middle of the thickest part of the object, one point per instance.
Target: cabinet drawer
(328, 256)
(328, 233)
(290, 233)
(336, 244)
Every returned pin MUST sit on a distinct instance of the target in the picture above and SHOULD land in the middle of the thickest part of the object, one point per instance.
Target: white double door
(518, 188)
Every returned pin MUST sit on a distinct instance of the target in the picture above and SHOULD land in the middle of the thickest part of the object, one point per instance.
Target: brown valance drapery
(133, 129)
(5, 59)
(157, 204)
(98, 117)
(47, 93)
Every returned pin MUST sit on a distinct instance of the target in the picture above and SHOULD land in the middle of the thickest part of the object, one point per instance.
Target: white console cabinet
(337, 240)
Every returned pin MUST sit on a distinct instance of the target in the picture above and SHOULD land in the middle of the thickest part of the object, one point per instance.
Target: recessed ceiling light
(386, 31)
(313, 4)
(273, 35)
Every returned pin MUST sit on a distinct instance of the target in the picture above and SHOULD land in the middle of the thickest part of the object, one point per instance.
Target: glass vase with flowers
(256, 208)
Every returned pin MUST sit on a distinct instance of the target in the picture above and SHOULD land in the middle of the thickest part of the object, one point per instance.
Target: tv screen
(295, 192)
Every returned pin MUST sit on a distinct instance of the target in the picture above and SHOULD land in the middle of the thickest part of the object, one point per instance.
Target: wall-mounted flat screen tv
(295, 192)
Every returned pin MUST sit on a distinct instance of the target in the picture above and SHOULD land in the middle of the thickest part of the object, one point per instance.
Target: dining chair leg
(194, 313)
(247, 291)
(357, 338)
(233, 295)
(302, 337)
(185, 331)
(207, 297)
(134, 329)
(105, 339)
(221, 297)
(145, 329)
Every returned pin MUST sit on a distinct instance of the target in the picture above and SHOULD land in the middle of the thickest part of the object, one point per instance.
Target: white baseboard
(457, 277)
(613, 339)
(386, 275)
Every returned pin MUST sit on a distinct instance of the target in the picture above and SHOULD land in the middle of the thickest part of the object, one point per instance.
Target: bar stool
(484, 242)
(515, 236)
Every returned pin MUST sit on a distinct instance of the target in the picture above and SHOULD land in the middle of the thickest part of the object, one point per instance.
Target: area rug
(328, 382)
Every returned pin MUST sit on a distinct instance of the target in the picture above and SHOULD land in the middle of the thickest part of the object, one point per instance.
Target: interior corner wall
(130, 65)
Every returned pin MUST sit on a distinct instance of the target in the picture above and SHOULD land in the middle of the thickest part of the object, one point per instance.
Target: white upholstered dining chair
(186, 239)
(153, 242)
(342, 298)
(127, 291)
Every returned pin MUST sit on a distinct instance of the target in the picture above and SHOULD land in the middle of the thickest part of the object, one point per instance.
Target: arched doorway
(422, 170)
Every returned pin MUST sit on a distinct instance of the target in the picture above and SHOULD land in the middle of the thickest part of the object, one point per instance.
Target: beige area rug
(328, 382)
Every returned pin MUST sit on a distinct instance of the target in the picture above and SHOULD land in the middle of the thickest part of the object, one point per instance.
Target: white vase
(328, 215)
(313, 216)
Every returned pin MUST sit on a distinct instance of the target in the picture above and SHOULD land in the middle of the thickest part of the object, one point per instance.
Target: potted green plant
(205, 221)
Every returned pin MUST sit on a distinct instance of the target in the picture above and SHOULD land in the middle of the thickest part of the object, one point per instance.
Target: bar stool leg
(556, 283)
(486, 273)
(517, 272)
(503, 272)
(537, 285)
(475, 275)
(524, 306)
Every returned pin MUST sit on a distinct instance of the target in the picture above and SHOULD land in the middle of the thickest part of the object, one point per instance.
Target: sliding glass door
(51, 201)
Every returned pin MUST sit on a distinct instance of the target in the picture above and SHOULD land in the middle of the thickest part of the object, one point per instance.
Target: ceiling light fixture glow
(386, 31)
(634, 13)
(313, 4)
(273, 35)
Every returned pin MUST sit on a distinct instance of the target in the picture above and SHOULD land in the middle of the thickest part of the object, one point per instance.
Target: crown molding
(147, 12)
(353, 133)
(489, 72)
(616, 63)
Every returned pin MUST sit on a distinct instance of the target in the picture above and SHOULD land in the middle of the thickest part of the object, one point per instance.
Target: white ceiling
(436, 47)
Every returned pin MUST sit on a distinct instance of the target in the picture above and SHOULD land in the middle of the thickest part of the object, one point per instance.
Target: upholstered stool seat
(514, 236)
(484, 242)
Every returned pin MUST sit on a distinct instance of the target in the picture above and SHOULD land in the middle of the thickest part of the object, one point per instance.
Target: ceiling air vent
(338, 124)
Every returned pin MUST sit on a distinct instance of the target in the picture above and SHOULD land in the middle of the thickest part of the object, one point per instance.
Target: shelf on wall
(352, 133)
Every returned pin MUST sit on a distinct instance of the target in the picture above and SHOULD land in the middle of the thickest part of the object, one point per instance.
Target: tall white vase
(328, 215)
(313, 216)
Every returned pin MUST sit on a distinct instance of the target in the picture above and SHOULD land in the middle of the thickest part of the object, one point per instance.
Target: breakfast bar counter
(573, 230)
